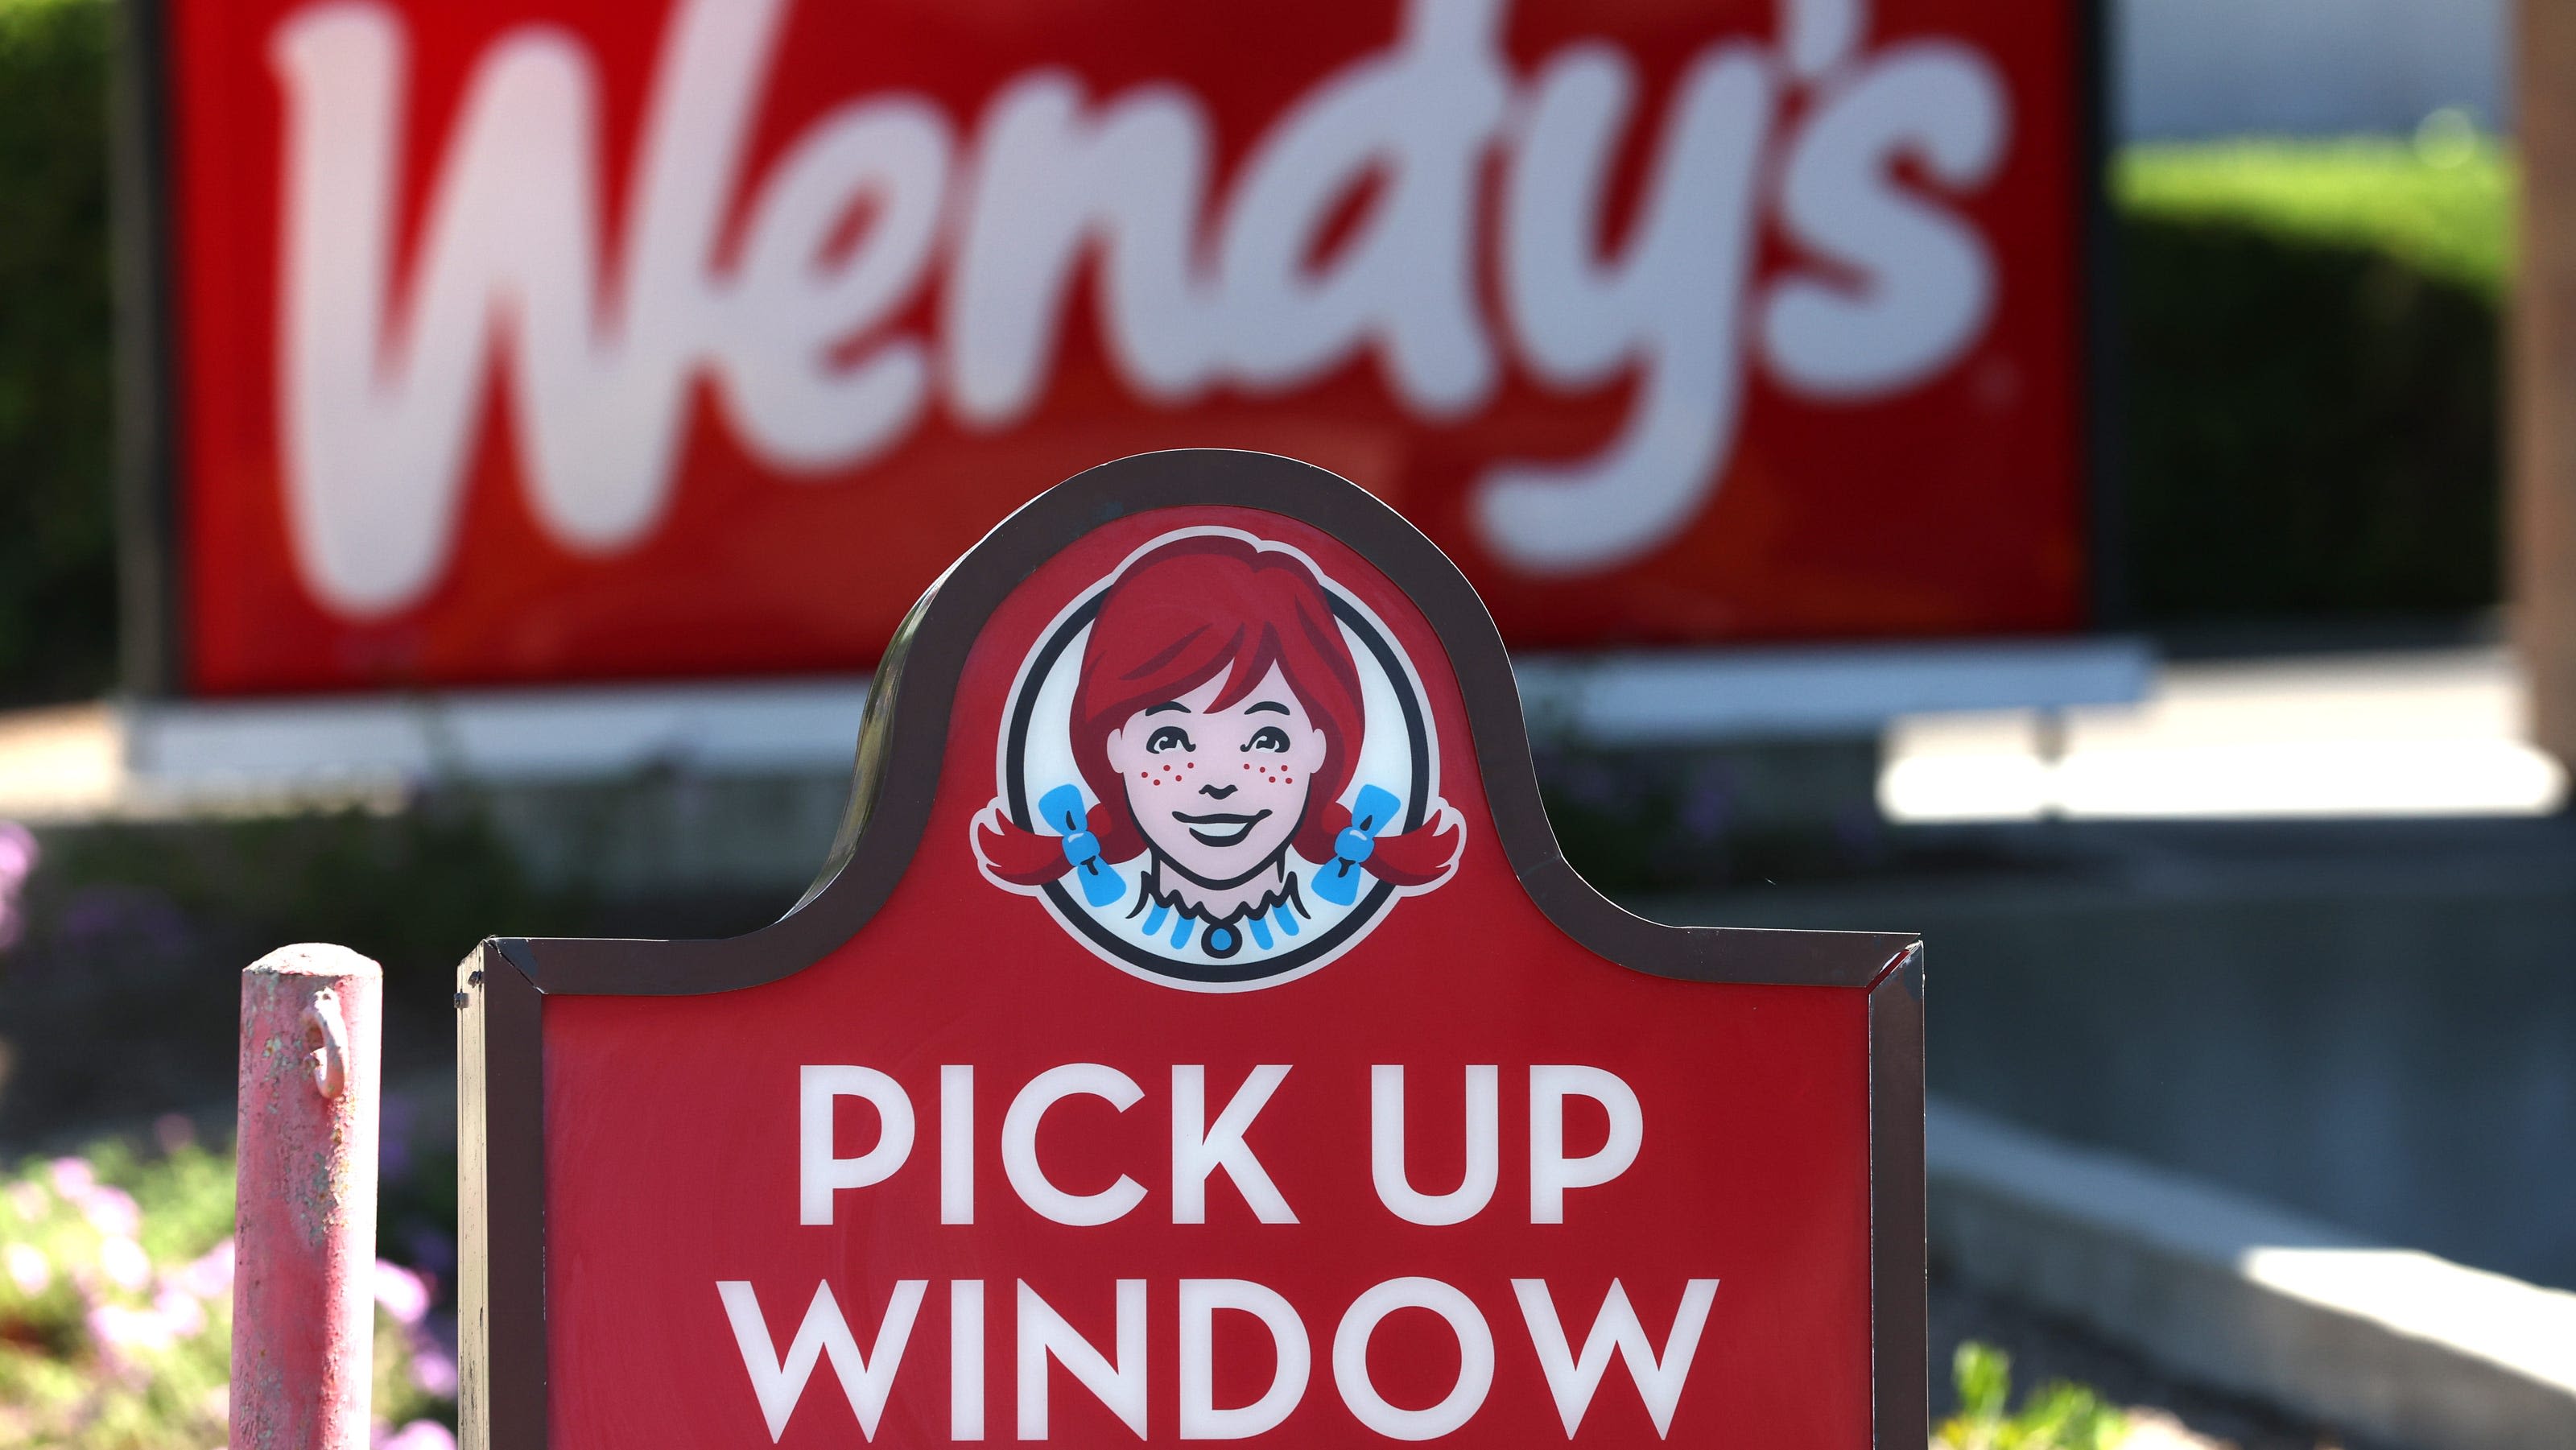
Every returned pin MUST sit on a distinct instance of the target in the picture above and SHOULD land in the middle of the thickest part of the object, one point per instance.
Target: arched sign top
(1196, 943)
(1060, 556)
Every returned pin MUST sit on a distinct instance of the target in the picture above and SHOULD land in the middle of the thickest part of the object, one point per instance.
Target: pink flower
(73, 1177)
(28, 1268)
(181, 1310)
(110, 1210)
(420, 1435)
(120, 1329)
(17, 863)
(404, 1294)
(211, 1275)
(125, 1263)
(28, 1200)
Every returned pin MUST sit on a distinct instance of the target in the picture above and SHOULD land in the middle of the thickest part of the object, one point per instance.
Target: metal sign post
(312, 1026)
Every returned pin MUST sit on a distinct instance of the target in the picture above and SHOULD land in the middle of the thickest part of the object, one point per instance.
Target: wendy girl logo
(1216, 768)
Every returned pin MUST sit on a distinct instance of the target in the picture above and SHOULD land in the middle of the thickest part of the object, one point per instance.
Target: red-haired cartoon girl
(1216, 722)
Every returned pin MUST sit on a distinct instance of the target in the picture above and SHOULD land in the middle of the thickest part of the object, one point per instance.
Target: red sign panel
(1199, 1039)
(539, 339)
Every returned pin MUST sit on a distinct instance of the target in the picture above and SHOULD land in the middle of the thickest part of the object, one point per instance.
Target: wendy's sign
(537, 339)
(1195, 1036)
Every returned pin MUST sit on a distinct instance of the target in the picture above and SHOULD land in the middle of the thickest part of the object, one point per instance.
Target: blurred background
(2144, 634)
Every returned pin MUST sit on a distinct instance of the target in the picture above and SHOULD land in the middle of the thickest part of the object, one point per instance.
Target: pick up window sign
(1196, 1036)
(557, 338)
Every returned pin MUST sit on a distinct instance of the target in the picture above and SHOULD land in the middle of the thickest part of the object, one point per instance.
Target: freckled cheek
(1278, 794)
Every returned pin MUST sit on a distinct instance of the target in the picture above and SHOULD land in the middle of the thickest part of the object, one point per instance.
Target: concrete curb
(2233, 1293)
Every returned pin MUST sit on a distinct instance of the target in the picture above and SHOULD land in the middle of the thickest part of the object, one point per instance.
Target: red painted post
(312, 1020)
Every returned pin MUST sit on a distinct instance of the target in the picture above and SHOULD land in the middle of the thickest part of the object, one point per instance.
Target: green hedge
(2307, 369)
(57, 544)
(2441, 204)
(2308, 377)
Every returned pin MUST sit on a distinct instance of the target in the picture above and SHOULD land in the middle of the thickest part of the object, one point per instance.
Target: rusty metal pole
(312, 1024)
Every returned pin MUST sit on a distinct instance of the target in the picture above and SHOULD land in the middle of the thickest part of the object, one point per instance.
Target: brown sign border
(903, 737)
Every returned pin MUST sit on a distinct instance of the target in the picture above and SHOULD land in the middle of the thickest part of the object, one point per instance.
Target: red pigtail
(1021, 857)
(1416, 858)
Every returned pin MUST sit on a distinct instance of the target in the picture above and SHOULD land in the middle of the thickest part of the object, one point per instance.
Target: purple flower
(433, 1369)
(432, 1251)
(173, 1132)
(133, 926)
(394, 1122)
(73, 1177)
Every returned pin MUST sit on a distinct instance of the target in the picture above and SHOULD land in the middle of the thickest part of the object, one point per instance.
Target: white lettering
(957, 1143)
(1020, 1144)
(1386, 1149)
(819, 1174)
(1925, 285)
(1199, 1149)
(1047, 181)
(1200, 1417)
(1417, 121)
(1669, 308)
(1043, 1334)
(1572, 1379)
(1475, 1359)
(1118, 1376)
(966, 1359)
(1817, 35)
(1551, 1172)
(796, 304)
(780, 1383)
(1201, 282)
(377, 412)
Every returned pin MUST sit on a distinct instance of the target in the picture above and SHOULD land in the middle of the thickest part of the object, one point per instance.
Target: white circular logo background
(1398, 753)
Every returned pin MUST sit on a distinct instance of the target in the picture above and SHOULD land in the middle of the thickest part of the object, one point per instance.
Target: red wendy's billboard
(522, 340)
(1197, 1037)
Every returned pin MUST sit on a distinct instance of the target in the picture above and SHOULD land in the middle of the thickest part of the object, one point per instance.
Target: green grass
(2442, 203)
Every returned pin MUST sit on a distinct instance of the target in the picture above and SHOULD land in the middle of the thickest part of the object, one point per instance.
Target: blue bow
(1062, 808)
(1339, 883)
